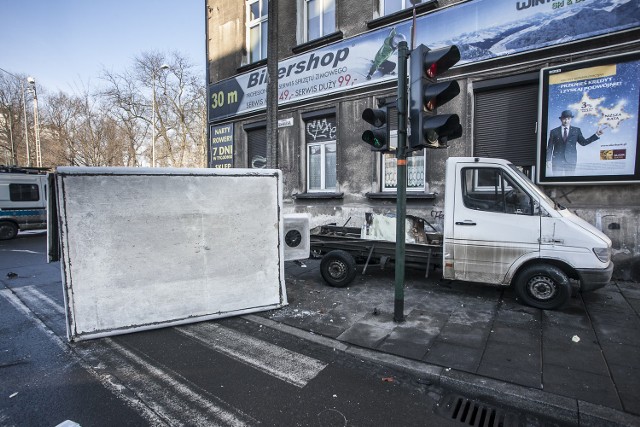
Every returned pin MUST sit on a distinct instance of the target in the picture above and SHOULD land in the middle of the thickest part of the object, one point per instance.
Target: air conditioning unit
(296, 237)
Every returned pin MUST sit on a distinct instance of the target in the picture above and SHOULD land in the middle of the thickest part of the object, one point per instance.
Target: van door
(495, 222)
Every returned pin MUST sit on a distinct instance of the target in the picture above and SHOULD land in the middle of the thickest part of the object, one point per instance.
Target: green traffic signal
(374, 138)
(378, 136)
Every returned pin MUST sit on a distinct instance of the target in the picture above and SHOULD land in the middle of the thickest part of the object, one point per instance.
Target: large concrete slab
(147, 248)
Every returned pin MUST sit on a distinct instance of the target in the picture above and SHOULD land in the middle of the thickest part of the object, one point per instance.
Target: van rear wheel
(338, 268)
(8, 230)
(543, 286)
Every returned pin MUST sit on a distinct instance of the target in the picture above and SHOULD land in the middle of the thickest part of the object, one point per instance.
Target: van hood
(575, 219)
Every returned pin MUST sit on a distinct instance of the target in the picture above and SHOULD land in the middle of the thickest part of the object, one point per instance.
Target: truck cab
(22, 201)
(500, 228)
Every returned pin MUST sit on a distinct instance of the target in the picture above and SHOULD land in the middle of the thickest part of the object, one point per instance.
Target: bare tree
(178, 122)
(13, 145)
(80, 132)
(128, 106)
(116, 125)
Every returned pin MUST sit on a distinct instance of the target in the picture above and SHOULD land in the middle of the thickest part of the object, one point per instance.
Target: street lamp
(153, 108)
(24, 110)
(36, 126)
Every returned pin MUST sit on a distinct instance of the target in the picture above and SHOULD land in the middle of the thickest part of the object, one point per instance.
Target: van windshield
(534, 188)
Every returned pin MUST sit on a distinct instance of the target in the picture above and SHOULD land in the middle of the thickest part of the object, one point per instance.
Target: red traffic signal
(429, 130)
(438, 61)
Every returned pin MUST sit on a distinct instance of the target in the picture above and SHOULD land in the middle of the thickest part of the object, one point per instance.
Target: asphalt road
(226, 372)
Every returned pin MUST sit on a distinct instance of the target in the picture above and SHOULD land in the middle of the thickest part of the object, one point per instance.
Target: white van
(22, 201)
(499, 228)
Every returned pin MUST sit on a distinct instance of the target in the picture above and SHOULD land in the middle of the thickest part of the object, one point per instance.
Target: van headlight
(603, 254)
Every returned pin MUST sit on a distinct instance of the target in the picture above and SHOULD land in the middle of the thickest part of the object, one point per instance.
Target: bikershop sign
(507, 27)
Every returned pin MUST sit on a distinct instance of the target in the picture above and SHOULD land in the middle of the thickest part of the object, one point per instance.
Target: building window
(320, 18)
(415, 170)
(391, 6)
(320, 136)
(321, 168)
(415, 162)
(257, 13)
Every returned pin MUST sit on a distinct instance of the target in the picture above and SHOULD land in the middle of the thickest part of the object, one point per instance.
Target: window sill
(388, 195)
(313, 44)
(318, 196)
(401, 15)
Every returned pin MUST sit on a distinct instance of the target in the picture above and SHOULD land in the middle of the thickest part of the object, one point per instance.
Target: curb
(536, 402)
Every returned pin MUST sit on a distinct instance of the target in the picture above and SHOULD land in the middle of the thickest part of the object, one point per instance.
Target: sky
(65, 44)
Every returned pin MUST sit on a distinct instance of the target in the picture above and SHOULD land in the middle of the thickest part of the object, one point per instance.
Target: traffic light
(428, 129)
(378, 136)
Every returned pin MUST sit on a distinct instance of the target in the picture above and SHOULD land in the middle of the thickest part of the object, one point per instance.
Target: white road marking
(170, 393)
(289, 366)
(159, 396)
(108, 382)
(24, 251)
(150, 384)
(45, 299)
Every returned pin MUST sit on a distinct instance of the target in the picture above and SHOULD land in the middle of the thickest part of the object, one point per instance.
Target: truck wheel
(338, 268)
(8, 230)
(543, 286)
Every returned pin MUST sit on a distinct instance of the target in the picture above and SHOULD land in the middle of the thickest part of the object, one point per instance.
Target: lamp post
(153, 108)
(36, 126)
(24, 110)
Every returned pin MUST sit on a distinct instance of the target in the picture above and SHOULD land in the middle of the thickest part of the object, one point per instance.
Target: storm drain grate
(472, 413)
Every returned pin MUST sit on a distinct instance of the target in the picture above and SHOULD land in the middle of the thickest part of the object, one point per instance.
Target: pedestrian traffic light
(429, 129)
(378, 137)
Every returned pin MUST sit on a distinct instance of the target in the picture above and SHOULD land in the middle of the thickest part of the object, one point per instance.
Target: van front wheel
(8, 230)
(543, 286)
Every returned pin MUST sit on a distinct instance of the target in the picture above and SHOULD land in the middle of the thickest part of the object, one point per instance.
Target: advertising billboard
(589, 121)
(482, 29)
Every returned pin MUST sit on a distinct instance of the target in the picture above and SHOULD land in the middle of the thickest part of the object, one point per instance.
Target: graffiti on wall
(323, 129)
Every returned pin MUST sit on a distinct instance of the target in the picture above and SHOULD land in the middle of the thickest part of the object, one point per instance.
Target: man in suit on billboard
(561, 148)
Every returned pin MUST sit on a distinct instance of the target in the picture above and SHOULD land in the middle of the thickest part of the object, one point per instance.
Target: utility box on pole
(145, 248)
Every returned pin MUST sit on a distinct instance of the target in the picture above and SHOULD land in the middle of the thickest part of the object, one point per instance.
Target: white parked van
(22, 201)
(499, 228)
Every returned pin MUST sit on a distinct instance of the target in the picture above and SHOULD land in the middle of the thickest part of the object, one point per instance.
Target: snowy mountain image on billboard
(525, 25)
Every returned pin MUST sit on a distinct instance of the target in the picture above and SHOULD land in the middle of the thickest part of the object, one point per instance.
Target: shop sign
(221, 146)
(482, 29)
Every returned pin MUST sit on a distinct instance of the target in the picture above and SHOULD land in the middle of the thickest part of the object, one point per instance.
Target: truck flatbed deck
(343, 248)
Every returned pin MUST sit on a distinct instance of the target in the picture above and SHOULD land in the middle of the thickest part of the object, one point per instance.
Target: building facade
(525, 65)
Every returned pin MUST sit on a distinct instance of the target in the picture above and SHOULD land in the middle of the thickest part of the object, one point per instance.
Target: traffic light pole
(401, 208)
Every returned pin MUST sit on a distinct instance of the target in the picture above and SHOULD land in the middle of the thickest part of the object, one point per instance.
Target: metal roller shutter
(505, 124)
(257, 145)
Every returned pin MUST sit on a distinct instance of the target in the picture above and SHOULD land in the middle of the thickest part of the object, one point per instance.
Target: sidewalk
(587, 352)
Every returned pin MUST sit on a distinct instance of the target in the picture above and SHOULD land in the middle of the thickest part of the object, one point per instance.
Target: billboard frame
(586, 85)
